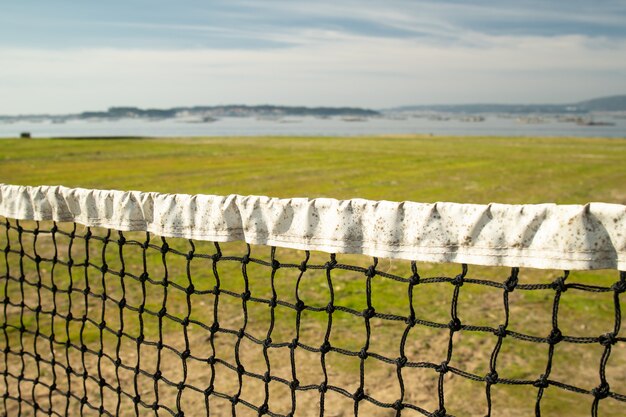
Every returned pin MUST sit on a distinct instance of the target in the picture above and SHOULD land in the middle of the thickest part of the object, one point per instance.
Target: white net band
(547, 236)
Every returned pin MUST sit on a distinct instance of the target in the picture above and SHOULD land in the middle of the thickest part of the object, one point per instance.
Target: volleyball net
(129, 303)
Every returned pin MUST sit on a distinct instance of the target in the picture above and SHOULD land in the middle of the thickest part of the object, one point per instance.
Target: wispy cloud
(70, 56)
(352, 70)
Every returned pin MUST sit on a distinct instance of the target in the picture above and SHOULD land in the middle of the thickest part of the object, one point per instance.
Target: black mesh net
(103, 322)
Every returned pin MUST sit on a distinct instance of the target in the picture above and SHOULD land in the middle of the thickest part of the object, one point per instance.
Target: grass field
(426, 169)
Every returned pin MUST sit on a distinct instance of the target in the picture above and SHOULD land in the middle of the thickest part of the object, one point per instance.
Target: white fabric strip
(546, 236)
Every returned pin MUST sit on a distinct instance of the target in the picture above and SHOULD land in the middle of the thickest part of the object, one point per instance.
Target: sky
(63, 56)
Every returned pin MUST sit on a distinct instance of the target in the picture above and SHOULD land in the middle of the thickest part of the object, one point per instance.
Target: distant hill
(612, 103)
(202, 112)
(229, 111)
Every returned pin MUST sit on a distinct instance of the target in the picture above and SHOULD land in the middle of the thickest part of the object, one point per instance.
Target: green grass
(424, 169)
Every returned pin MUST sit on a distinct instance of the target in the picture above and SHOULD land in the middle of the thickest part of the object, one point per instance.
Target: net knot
(189, 256)
(7, 249)
(190, 289)
(363, 354)
(162, 312)
(294, 384)
(84, 400)
(143, 277)
(266, 377)
(601, 391)
(157, 375)
(121, 240)
(122, 302)
(358, 395)
(443, 368)
(185, 354)
(330, 264)
(410, 321)
(245, 296)
(500, 331)
(302, 266)
(492, 378)
(155, 406)
(234, 399)
(397, 405)
(293, 344)
(240, 333)
(159, 345)
(619, 287)
(211, 360)
(272, 302)
(458, 280)
(371, 271)
(263, 409)
(555, 337)
(241, 370)
(401, 361)
(214, 327)
(542, 382)
(559, 284)
(608, 339)
(216, 257)
(330, 308)
(455, 324)
(369, 312)
(275, 264)
(440, 413)
(323, 387)
(102, 383)
(511, 283)
(70, 263)
(267, 342)
(325, 348)
(104, 268)
(300, 306)
(209, 390)
(38, 259)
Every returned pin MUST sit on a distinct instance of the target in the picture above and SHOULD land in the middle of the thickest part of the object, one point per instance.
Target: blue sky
(61, 56)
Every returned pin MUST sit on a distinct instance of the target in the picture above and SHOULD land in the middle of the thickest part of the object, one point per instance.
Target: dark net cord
(74, 383)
